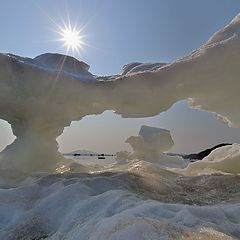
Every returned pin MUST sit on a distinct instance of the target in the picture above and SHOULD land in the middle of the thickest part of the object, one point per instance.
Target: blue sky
(119, 32)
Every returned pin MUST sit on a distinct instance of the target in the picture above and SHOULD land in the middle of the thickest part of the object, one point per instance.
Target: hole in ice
(107, 133)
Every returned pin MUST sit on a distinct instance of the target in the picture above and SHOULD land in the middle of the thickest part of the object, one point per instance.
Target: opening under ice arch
(108, 132)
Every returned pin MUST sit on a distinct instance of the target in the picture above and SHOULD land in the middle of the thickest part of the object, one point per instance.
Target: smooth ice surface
(39, 99)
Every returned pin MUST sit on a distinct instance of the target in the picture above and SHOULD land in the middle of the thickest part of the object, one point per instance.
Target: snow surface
(119, 206)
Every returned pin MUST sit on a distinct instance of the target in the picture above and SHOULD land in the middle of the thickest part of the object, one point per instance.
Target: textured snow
(113, 207)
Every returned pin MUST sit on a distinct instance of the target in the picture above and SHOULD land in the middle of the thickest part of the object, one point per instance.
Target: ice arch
(40, 96)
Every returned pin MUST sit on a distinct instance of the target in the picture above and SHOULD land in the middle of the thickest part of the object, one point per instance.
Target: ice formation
(39, 100)
(150, 145)
(221, 160)
(40, 96)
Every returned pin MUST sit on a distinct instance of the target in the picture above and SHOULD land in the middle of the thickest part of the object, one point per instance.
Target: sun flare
(71, 38)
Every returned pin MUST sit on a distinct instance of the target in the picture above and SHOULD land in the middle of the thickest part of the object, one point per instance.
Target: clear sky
(116, 33)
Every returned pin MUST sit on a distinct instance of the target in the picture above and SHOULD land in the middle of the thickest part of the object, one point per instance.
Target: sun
(71, 38)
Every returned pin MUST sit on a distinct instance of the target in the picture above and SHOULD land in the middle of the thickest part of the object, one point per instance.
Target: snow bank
(39, 98)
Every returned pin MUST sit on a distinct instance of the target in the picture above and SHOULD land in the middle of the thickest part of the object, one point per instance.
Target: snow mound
(57, 64)
(65, 64)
